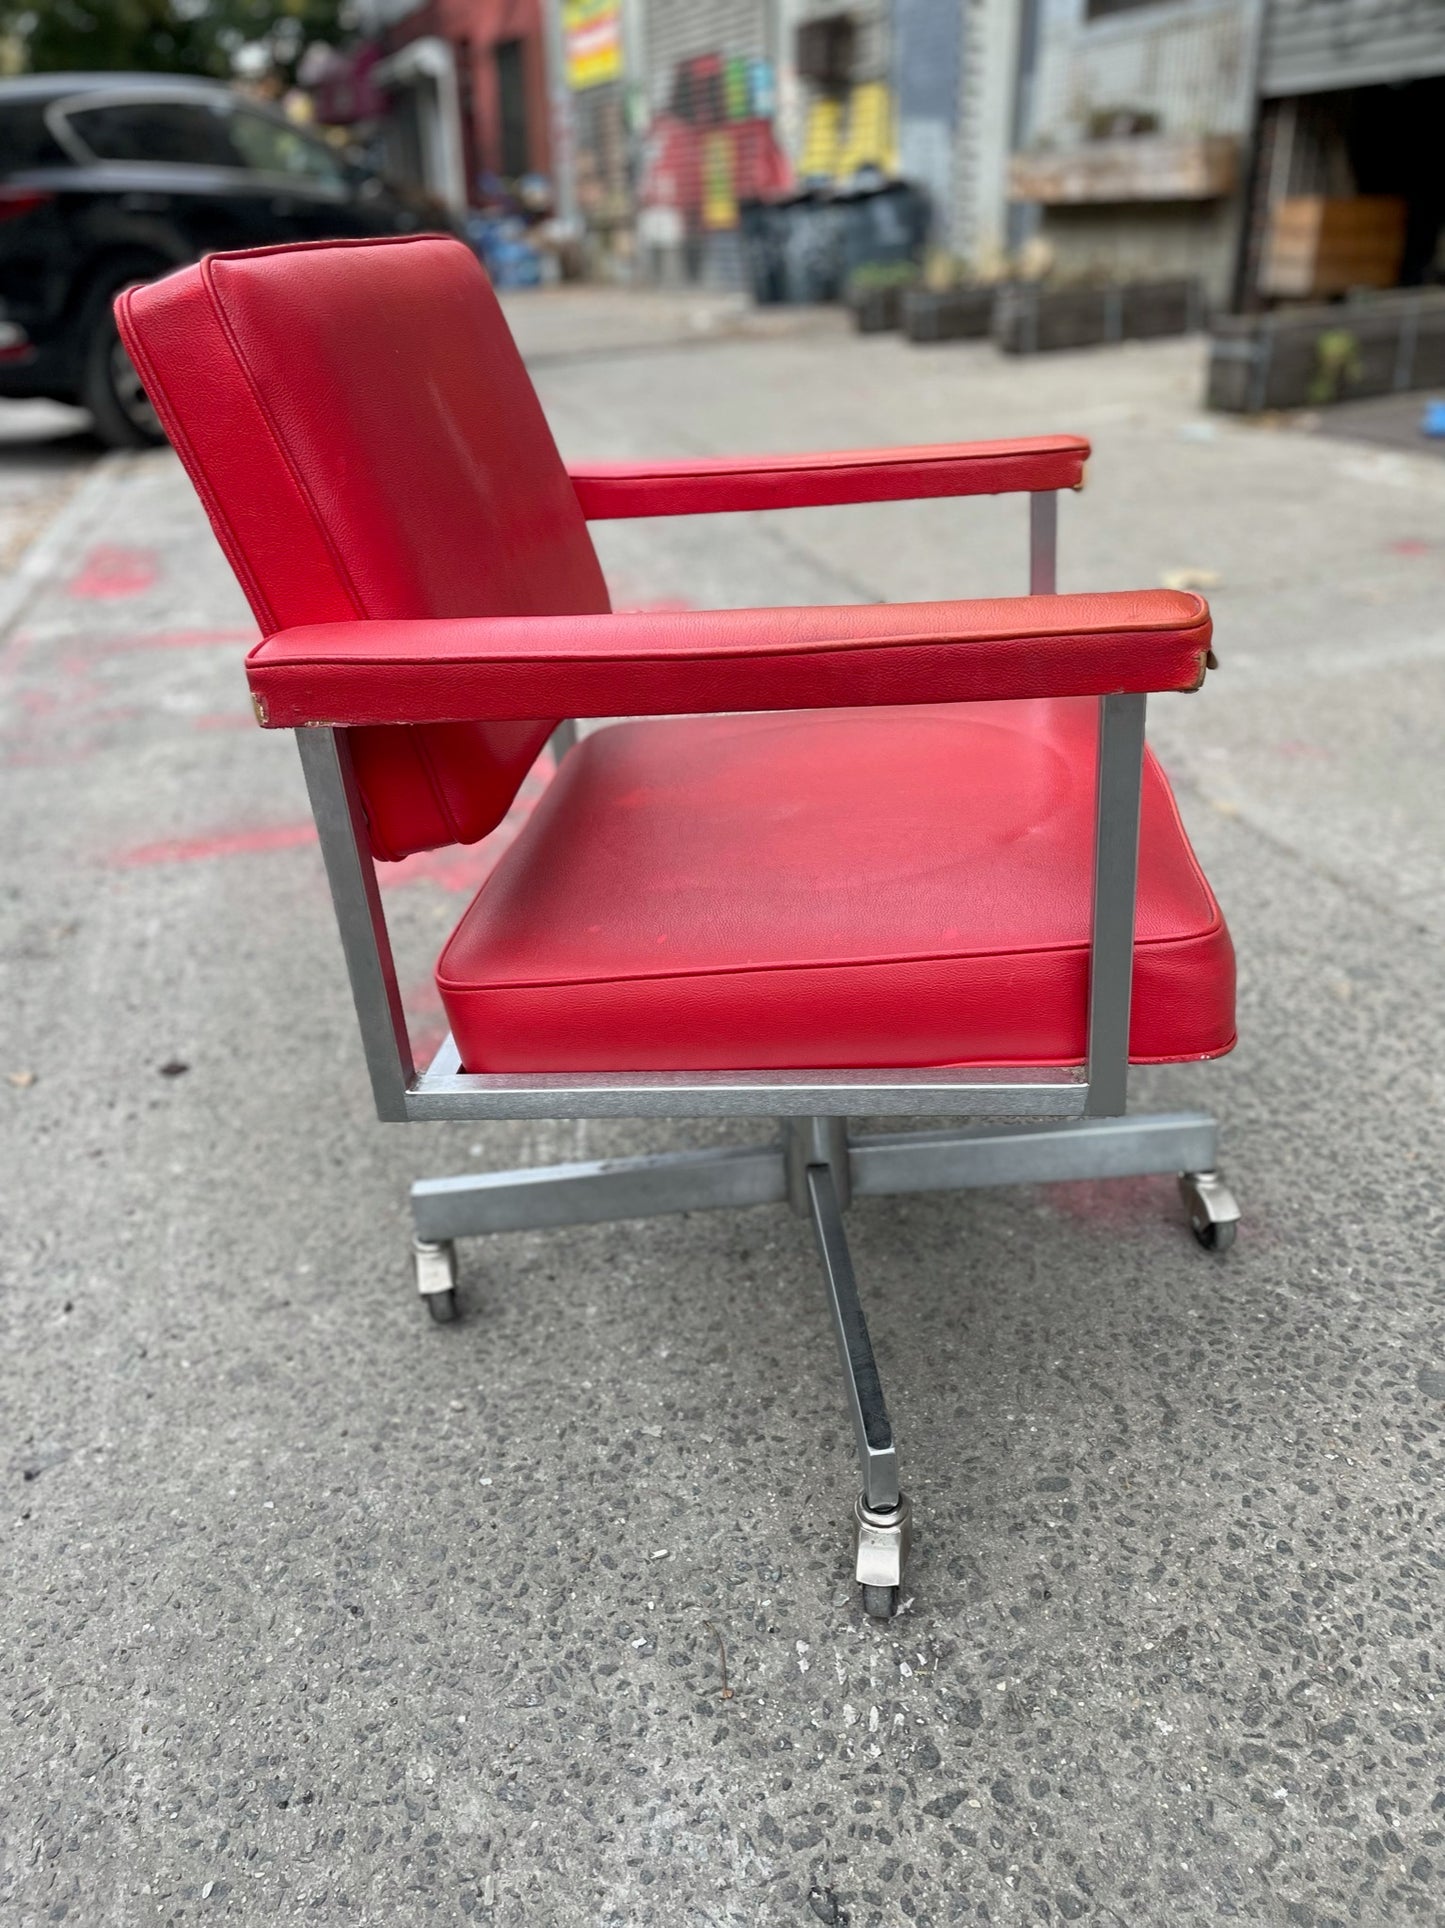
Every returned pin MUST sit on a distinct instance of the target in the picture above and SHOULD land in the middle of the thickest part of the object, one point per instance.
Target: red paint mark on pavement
(232, 843)
(80, 662)
(111, 571)
(1410, 546)
(37, 750)
(426, 1021)
(15, 651)
(227, 720)
(460, 869)
(202, 638)
(179, 639)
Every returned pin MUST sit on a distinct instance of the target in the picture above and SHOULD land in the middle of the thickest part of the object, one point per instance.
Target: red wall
(474, 28)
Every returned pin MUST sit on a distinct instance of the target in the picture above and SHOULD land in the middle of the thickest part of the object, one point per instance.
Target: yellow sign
(719, 195)
(592, 40)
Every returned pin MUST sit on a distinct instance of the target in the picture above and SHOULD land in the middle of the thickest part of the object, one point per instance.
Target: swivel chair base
(818, 1166)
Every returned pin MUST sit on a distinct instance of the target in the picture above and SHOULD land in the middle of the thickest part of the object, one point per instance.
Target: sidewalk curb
(60, 539)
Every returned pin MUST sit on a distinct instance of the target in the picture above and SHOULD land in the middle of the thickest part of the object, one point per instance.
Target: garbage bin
(803, 246)
(880, 222)
(812, 263)
(762, 235)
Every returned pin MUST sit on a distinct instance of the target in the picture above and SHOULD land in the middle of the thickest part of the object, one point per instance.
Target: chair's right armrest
(668, 662)
(717, 484)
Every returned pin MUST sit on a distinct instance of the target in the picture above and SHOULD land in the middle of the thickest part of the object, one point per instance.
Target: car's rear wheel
(110, 387)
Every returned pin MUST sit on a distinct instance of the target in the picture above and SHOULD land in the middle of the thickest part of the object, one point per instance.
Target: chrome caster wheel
(881, 1541)
(1215, 1237)
(436, 1277)
(1213, 1212)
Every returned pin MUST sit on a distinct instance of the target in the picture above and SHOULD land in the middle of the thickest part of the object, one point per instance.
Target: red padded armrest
(669, 663)
(709, 486)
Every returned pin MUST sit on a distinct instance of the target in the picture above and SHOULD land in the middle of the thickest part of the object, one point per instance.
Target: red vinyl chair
(910, 861)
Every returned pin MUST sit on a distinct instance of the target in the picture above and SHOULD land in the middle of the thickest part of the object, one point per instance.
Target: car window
(190, 133)
(25, 139)
(271, 147)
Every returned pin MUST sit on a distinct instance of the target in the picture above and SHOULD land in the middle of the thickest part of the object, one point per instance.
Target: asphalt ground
(315, 1611)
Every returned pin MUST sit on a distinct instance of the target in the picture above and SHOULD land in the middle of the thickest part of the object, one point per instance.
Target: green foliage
(877, 277)
(163, 36)
(1337, 360)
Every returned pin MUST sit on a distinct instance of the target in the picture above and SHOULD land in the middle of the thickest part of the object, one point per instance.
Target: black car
(107, 179)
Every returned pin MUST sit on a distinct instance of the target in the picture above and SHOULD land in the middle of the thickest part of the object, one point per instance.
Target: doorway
(515, 153)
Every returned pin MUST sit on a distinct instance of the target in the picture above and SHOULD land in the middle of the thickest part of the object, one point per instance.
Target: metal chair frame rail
(1048, 1124)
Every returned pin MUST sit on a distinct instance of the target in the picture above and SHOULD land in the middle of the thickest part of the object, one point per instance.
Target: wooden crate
(1325, 246)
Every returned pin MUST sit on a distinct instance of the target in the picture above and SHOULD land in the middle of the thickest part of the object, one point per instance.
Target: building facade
(1277, 148)
(464, 85)
(1272, 148)
(702, 106)
(1349, 176)
(1135, 136)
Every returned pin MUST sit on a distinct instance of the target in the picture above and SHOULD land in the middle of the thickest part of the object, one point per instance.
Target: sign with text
(592, 39)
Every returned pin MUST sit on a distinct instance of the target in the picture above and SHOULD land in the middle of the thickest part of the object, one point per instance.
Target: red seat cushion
(828, 888)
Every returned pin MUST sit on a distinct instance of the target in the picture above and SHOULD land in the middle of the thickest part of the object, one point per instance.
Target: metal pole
(1116, 865)
(1044, 543)
(341, 826)
(872, 1428)
(559, 97)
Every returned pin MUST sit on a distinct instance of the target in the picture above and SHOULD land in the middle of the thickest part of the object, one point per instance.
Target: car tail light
(21, 200)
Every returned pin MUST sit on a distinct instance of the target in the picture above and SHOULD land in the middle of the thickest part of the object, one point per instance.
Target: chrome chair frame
(1044, 1125)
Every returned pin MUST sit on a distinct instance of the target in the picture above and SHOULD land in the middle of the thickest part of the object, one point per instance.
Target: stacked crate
(1322, 245)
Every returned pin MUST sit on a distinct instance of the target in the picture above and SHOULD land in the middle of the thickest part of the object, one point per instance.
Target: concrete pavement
(317, 1612)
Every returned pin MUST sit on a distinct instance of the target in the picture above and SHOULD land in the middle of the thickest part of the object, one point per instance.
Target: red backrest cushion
(357, 420)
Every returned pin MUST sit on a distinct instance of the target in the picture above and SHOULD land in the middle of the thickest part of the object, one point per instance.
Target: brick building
(465, 89)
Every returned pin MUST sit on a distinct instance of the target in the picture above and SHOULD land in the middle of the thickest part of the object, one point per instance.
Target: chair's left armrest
(668, 663)
(714, 484)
